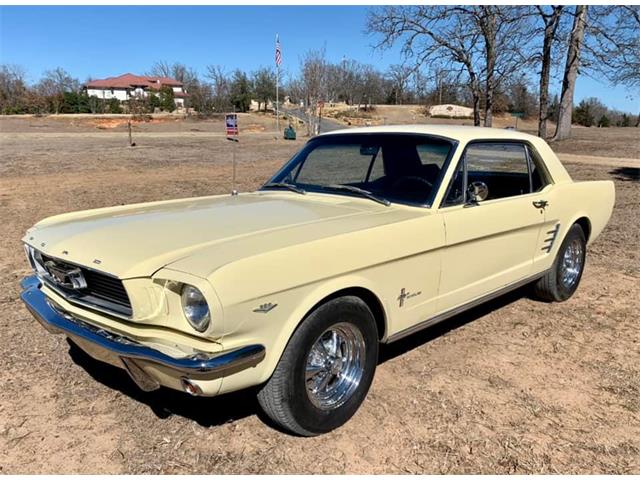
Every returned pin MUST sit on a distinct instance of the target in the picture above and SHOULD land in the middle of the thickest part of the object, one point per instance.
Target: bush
(356, 113)
(74, 102)
(604, 122)
(167, 102)
(154, 102)
(113, 106)
(624, 121)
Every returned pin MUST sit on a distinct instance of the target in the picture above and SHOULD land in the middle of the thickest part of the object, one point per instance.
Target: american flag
(278, 51)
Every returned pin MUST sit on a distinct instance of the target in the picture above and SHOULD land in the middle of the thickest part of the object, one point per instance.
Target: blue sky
(108, 41)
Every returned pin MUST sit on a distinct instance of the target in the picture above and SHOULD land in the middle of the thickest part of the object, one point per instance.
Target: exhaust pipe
(190, 387)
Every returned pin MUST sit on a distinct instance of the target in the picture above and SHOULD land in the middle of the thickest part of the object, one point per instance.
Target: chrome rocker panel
(200, 366)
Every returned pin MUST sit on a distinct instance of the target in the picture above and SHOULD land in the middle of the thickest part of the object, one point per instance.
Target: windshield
(401, 168)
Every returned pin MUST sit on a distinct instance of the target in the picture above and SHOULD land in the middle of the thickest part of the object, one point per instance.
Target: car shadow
(629, 174)
(165, 402)
(390, 351)
(213, 411)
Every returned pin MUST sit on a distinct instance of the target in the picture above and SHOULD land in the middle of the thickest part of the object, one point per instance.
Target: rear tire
(326, 369)
(562, 280)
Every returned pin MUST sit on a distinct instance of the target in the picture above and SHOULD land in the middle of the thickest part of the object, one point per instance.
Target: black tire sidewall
(562, 292)
(347, 309)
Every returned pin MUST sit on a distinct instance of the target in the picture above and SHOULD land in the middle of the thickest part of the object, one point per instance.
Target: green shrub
(167, 102)
(113, 106)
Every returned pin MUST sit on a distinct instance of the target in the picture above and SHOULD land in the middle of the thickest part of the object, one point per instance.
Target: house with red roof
(129, 86)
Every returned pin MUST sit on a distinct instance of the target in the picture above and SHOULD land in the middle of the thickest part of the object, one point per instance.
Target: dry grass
(515, 386)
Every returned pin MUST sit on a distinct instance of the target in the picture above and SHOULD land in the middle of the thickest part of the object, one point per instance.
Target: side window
(502, 167)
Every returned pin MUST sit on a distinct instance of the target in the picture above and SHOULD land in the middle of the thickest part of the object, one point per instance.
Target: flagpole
(277, 91)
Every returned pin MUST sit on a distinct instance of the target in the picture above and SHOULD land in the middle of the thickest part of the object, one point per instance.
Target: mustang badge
(64, 276)
(404, 295)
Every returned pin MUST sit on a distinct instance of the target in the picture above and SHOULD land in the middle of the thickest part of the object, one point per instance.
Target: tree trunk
(476, 109)
(490, 83)
(550, 28)
(488, 27)
(475, 93)
(565, 108)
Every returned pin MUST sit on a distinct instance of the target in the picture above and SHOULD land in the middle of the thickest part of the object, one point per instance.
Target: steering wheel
(410, 178)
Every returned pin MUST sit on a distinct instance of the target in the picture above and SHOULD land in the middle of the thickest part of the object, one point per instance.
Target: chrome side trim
(199, 366)
(467, 306)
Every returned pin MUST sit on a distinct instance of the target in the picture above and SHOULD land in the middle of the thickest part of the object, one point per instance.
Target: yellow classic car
(365, 236)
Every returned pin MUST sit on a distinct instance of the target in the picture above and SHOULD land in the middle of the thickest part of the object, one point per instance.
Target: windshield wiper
(286, 185)
(360, 191)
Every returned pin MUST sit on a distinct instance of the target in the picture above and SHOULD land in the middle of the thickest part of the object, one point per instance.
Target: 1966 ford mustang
(364, 236)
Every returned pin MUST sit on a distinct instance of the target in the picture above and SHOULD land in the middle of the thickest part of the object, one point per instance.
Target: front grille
(106, 287)
(102, 292)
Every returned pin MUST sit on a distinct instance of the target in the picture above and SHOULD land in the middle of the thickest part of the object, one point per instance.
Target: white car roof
(454, 132)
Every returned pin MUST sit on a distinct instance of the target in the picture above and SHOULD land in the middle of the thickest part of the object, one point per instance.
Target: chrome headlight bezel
(195, 307)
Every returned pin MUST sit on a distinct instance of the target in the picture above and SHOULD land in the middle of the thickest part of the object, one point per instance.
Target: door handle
(540, 204)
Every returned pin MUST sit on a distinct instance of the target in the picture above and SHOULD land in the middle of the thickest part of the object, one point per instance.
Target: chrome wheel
(571, 263)
(335, 366)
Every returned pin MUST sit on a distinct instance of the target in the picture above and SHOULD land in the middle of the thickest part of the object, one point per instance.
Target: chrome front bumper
(199, 366)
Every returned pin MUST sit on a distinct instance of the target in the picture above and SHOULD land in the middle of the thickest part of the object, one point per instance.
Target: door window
(504, 168)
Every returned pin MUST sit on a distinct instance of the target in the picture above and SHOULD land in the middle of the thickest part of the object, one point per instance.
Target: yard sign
(231, 121)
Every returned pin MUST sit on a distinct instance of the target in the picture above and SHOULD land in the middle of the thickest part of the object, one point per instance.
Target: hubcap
(571, 264)
(335, 365)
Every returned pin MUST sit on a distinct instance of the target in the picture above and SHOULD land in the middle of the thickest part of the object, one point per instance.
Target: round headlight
(195, 308)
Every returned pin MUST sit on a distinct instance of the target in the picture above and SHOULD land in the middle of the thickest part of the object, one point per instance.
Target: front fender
(275, 327)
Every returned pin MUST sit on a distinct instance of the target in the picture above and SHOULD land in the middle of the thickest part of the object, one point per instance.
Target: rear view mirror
(369, 150)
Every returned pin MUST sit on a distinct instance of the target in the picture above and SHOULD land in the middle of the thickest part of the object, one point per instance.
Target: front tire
(326, 369)
(562, 280)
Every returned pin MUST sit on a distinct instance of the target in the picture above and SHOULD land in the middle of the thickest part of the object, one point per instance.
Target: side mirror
(477, 192)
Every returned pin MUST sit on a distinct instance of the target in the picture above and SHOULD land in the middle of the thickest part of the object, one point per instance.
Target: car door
(490, 241)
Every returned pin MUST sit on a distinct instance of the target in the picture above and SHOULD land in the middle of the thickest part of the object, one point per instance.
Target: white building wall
(108, 94)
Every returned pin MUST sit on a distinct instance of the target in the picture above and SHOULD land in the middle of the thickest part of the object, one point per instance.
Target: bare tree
(161, 68)
(612, 43)
(482, 44)
(505, 39)
(221, 88)
(54, 84)
(565, 108)
(550, 17)
(604, 42)
(399, 76)
(13, 89)
(313, 80)
(368, 87)
(432, 37)
(180, 72)
(343, 80)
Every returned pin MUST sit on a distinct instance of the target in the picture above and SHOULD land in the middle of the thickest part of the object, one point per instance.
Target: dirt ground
(515, 386)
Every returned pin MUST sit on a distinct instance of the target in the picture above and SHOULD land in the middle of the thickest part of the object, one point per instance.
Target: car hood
(137, 240)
